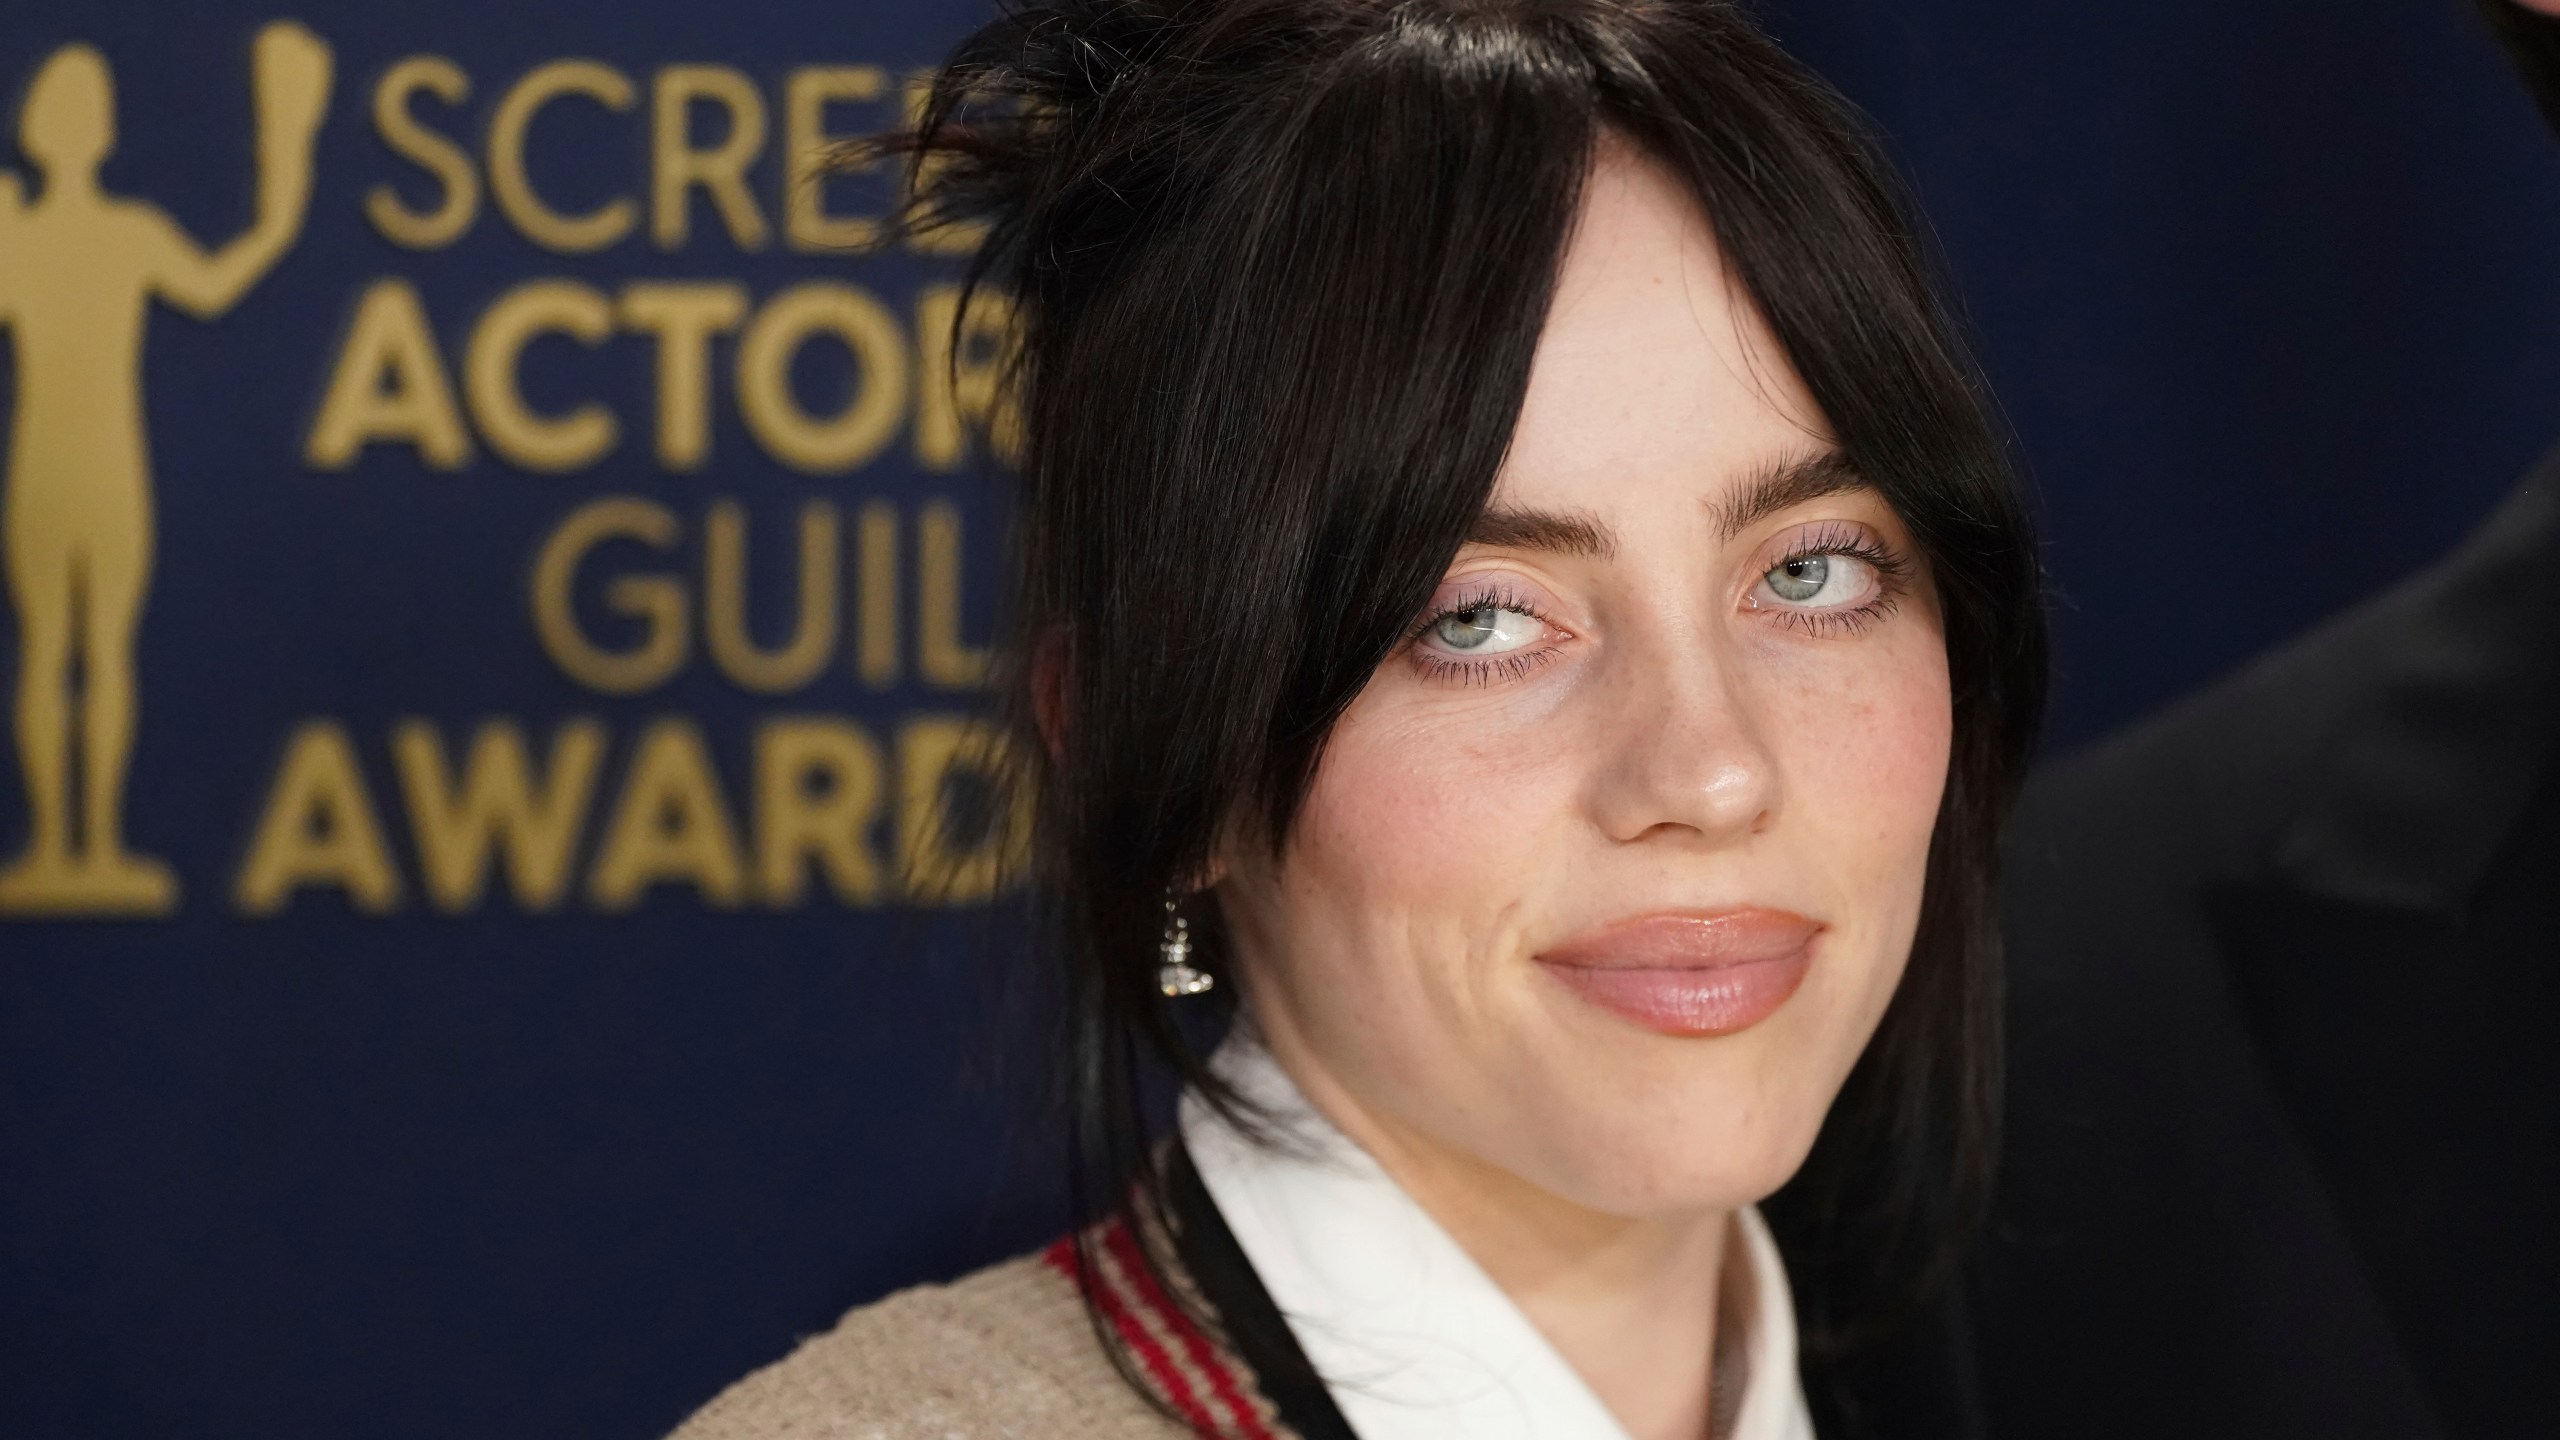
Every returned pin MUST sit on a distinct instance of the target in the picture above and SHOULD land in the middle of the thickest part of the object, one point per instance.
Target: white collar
(1414, 1340)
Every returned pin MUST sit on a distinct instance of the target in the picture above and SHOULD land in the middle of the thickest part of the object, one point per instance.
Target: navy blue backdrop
(369, 1132)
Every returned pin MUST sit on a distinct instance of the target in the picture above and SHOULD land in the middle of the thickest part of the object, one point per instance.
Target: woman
(1528, 619)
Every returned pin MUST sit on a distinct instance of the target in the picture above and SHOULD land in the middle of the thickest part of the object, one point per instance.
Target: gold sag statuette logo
(78, 270)
(924, 815)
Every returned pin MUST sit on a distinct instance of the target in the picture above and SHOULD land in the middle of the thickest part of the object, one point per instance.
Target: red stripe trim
(1133, 1332)
(1222, 1381)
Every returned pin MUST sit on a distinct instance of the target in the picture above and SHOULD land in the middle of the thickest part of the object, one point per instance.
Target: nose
(1682, 755)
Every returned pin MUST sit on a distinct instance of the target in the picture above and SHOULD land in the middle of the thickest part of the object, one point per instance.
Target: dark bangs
(1281, 267)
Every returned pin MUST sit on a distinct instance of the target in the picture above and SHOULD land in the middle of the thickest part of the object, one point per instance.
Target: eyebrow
(1561, 532)
(1782, 486)
(1788, 483)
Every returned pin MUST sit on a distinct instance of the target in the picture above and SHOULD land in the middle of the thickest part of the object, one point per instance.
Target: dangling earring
(1175, 976)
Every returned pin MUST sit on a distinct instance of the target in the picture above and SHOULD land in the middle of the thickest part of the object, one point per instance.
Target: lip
(1689, 973)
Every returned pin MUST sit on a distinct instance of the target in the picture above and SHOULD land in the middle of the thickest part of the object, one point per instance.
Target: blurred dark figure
(2284, 1149)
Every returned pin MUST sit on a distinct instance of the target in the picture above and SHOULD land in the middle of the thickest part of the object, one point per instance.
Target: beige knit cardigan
(1006, 1352)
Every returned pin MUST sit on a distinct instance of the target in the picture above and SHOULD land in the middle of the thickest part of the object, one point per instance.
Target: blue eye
(1802, 578)
(1484, 630)
(1820, 581)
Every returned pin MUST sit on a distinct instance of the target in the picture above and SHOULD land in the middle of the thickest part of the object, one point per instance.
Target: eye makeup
(1479, 607)
(1825, 555)
(1876, 574)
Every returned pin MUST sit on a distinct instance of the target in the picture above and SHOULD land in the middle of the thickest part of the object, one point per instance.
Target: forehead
(1654, 369)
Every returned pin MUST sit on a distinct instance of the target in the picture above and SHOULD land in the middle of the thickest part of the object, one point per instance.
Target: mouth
(1689, 973)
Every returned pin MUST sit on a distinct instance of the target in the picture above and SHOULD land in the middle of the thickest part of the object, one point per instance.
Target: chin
(1715, 1157)
(1626, 1122)
(1655, 1127)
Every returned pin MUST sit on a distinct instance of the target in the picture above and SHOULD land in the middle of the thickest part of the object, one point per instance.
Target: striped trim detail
(1133, 1333)
(1138, 1310)
(1203, 1355)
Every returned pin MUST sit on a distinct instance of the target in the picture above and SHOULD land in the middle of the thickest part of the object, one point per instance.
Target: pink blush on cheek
(1404, 799)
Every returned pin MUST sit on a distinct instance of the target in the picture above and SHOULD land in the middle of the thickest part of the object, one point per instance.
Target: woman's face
(1607, 875)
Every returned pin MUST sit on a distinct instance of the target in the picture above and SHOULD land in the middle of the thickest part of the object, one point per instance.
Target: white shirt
(1413, 1339)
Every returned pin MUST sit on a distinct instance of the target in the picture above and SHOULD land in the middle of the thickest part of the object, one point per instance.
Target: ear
(1214, 866)
(1052, 667)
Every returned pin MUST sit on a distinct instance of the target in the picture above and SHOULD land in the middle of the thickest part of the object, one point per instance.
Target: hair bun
(1029, 129)
(1074, 130)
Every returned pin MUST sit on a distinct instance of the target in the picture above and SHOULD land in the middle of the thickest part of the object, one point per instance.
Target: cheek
(1874, 745)
(1416, 854)
(1863, 740)
(1420, 811)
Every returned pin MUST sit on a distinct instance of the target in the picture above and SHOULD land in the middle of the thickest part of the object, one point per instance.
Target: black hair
(1280, 267)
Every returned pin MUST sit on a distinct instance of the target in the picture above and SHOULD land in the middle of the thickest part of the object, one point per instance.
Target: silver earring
(1175, 976)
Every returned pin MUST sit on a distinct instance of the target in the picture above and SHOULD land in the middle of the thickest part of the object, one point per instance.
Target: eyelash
(1834, 538)
(1487, 671)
